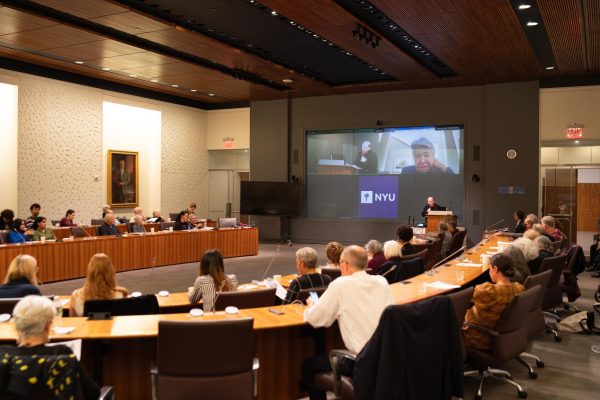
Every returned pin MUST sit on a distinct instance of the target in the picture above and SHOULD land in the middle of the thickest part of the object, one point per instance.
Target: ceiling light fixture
(549, 68)
(577, 142)
(133, 75)
(175, 85)
(154, 80)
(211, 94)
(532, 23)
(273, 13)
(287, 80)
(105, 69)
(193, 90)
(524, 6)
(79, 62)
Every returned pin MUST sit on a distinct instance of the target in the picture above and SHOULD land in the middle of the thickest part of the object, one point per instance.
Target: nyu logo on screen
(378, 197)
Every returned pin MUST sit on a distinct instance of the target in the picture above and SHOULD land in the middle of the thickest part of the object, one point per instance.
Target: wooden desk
(68, 259)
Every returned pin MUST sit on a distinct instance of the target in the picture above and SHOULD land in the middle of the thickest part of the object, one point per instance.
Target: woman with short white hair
(392, 250)
(33, 317)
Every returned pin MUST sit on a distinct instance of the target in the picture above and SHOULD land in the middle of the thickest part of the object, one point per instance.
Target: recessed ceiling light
(133, 75)
(175, 85)
(577, 142)
(79, 62)
(273, 13)
(524, 6)
(193, 90)
(532, 23)
(154, 80)
(211, 94)
(287, 80)
(549, 68)
(105, 69)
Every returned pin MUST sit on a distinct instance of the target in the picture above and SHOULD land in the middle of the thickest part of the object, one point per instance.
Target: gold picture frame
(123, 182)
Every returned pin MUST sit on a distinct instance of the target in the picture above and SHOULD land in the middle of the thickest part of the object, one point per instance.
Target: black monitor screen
(270, 198)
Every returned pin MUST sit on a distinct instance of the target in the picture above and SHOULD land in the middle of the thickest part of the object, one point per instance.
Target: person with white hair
(138, 224)
(366, 160)
(529, 249)
(375, 254)
(306, 264)
(137, 211)
(33, 316)
(520, 264)
(549, 224)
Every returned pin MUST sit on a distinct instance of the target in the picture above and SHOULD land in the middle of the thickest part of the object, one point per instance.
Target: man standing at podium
(431, 206)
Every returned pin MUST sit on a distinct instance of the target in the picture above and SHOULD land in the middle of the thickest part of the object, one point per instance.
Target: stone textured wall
(184, 160)
(60, 144)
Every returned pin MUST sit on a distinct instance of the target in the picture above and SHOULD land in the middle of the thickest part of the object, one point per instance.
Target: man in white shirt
(356, 300)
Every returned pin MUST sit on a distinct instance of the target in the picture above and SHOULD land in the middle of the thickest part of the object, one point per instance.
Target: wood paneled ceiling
(221, 52)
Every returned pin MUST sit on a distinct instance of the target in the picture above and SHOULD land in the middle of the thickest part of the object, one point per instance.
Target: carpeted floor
(572, 370)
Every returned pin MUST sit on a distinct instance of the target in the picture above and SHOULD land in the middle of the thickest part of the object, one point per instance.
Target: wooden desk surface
(68, 259)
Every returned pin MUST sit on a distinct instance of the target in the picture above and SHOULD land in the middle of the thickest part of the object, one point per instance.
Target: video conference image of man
(424, 150)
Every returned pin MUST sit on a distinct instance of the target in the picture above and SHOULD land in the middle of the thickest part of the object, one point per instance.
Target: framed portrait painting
(123, 178)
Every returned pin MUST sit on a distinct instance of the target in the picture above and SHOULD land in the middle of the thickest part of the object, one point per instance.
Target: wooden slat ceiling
(482, 41)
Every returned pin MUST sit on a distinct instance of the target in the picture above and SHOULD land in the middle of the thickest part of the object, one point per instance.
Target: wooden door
(588, 206)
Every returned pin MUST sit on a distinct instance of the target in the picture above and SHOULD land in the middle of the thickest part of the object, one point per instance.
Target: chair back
(78, 232)
(333, 273)
(173, 216)
(164, 226)
(246, 298)
(556, 246)
(227, 222)
(420, 254)
(512, 327)
(3, 237)
(97, 221)
(535, 320)
(303, 294)
(461, 301)
(407, 269)
(143, 305)
(457, 241)
(219, 369)
(55, 222)
(8, 304)
(553, 292)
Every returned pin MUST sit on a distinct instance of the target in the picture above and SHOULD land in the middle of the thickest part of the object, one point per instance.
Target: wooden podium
(435, 217)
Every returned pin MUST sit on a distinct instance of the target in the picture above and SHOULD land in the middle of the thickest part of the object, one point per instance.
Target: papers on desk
(469, 264)
(491, 253)
(247, 286)
(441, 285)
(501, 243)
(280, 292)
(63, 330)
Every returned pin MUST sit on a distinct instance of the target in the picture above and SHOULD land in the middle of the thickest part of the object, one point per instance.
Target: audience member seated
(333, 251)
(530, 221)
(393, 256)
(68, 219)
(375, 255)
(6, 219)
(539, 228)
(452, 227)
(405, 234)
(549, 224)
(446, 239)
(527, 247)
(531, 234)
(212, 279)
(109, 227)
(519, 218)
(194, 223)
(356, 300)
(100, 284)
(21, 278)
(156, 217)
(306, 264)
(490, 299)
(182, 223)
(35, 212)
(40, 230)
(33, 317)
(17, 233)
(105, 209)
(138, 224)
(519, 264)
(545, 249)
(137, 211)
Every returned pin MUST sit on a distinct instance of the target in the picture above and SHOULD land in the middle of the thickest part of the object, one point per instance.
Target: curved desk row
(68, 259)
(281, 340)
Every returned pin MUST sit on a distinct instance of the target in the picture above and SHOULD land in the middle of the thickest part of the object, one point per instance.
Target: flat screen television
(270, 198)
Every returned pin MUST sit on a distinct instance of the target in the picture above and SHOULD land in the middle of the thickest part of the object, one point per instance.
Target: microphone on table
(271, 263)
(494, 224)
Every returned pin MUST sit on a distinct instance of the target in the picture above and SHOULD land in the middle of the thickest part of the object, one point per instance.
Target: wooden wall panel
(588, 206)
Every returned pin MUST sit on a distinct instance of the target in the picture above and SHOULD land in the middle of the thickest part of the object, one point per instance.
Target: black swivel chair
(246, 299)
(333, 273)
(553, 294)
(3, 237)
(221, 368)
(408, 269)
(142, 305)
(303, 294)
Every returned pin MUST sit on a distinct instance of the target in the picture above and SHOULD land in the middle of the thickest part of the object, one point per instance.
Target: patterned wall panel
(60, 142)
(184, 160)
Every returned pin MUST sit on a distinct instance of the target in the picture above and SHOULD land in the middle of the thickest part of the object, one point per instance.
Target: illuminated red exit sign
(574, 131)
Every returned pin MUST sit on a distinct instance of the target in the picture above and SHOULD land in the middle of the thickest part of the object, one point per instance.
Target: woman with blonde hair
(100, 284)
(21, 278)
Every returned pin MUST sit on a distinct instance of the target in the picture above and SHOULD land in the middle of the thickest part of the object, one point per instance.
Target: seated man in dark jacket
(109, 227)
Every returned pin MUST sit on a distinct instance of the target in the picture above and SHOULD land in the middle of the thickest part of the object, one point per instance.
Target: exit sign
(574, 131)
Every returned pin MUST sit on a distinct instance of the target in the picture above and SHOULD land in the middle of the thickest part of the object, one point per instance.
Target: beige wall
(9, 138)
(559, 107)
(62, 146)
(234, 123)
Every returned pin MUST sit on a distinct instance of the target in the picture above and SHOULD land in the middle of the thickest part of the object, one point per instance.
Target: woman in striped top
(212, 279)
(306, 263)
